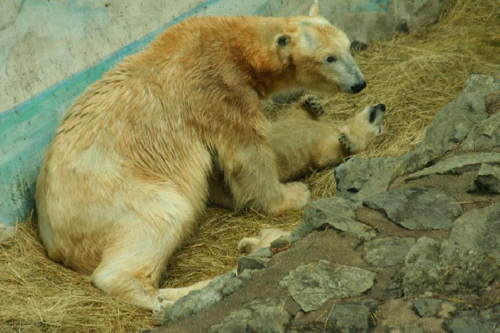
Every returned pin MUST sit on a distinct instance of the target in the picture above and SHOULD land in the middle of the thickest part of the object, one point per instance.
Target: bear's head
(363, 130)
(321, 55)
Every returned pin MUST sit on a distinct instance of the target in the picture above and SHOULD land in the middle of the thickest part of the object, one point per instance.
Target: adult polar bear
(126, 174)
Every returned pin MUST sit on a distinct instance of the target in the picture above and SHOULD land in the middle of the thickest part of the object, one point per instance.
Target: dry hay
(414, 75)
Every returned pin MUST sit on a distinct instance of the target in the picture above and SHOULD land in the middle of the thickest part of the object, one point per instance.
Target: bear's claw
(344, 141)
(159, 311)
(312, 104)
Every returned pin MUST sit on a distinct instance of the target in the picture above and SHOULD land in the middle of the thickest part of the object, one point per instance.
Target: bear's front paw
(313, 105)
(159, 311)
(345, 142)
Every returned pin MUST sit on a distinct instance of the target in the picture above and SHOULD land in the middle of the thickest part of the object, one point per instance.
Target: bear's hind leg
(132, 265)
(252, 175)
(173, 294)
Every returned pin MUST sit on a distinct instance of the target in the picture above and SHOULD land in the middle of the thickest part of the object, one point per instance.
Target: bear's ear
(283, 40)
(314, 11)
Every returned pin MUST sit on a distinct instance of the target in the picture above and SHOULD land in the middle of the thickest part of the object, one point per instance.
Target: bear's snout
(358, 87)
(380, 107)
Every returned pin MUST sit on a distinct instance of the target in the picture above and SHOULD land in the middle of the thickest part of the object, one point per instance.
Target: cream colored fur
(126, 175)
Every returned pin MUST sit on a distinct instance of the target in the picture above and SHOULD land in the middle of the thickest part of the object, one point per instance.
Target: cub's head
(321, 55)
(363, 130)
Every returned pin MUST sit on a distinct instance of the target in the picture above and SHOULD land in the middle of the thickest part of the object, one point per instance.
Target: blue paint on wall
(374, 6)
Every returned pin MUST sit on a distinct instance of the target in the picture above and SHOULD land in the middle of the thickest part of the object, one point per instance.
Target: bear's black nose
(358, 87)
(380, 107)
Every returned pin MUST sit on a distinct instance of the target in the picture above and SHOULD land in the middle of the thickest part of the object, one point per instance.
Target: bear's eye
(331, 59)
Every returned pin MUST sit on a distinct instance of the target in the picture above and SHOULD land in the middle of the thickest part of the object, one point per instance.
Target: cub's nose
(380, 107)
(358, 87)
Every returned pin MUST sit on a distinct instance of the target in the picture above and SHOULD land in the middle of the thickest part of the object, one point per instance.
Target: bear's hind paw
(159, 311)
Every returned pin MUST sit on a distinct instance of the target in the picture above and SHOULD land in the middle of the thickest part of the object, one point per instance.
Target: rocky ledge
(411, 244)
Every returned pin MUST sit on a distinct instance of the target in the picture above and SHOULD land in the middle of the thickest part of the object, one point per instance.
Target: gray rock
(199, 300)
(470, 323)
(492, 313)
(479, 230)
(452, 124)
(358, 46)
(257, 260)
(381, 23)
(485, 135)
(314, 284)
(412, 328)
(445, 268)
(492, 101)
(360, 178)
(417, 208)
(370, 303)
(422, 267)
(449, 128)
(395, 288)
(427, 307)
(385, 252)
(369, 27)
(457, 164)
(485, 84)
(336, 212)
(417, 14)
(246, 274)
(284, 242)
(487, 180)
(350, 318)
(267, 316)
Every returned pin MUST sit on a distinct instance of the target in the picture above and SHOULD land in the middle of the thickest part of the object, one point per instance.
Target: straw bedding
(414, 75)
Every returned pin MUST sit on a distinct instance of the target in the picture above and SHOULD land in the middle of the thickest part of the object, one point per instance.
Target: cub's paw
(160, 309)
(346, 143)
(247, 245)
(312, 104)
(295, 196)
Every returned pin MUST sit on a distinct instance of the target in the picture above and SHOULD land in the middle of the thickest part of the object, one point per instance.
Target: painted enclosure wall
(51, 50)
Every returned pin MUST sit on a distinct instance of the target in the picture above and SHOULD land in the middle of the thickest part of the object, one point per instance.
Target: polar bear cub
(303, 142)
